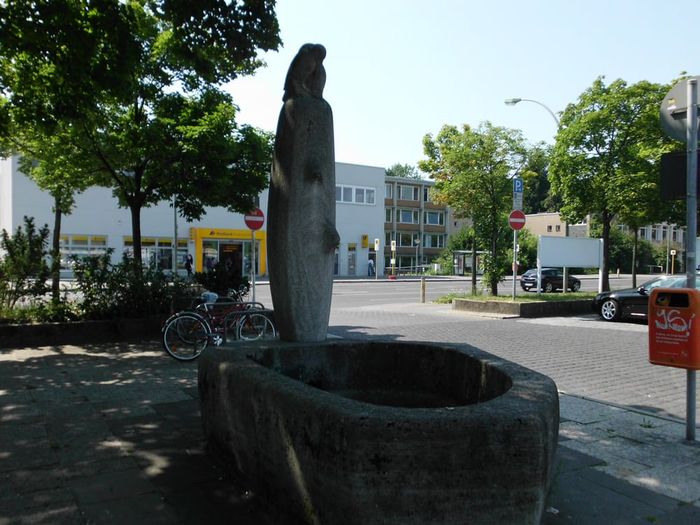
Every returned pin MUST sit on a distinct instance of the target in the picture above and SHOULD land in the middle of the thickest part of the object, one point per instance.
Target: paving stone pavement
(110, 433)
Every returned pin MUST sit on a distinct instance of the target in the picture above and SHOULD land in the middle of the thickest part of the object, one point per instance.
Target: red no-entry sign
(254, 219)
(516, 220)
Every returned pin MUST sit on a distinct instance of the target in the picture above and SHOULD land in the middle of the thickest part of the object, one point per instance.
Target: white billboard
(570, 252)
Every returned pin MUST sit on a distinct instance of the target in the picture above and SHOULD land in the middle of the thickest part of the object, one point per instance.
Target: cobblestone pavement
(111, 434)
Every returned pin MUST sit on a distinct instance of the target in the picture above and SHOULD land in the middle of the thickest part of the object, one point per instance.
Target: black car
(552, 279)
(633, 302)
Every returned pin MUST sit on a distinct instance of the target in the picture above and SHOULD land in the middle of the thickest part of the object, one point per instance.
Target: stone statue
(301, 210)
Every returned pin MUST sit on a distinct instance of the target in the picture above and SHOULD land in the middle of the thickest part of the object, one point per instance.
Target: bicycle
(188, 333)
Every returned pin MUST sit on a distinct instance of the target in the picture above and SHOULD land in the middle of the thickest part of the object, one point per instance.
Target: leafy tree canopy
(605, 160)
(132, 89)
(404, 170)
(473, 169)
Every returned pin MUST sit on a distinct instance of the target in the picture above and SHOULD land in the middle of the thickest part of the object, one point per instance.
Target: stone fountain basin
(383, 432)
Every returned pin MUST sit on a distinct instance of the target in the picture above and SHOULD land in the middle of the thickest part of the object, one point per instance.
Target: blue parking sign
(518, 185)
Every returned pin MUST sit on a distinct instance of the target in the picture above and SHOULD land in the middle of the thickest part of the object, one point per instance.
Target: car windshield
(666, 281)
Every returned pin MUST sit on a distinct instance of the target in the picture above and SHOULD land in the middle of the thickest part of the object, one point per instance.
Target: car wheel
(610, 310)
(549, 288)
(575, 287)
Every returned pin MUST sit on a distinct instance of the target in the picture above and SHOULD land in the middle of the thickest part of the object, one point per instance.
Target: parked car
(633, 302)
(552, 279)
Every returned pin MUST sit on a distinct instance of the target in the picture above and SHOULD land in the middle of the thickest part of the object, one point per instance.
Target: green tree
(403, 170)
(609, 135)
(527, 250)
(133, 88)
(537, 194)
(472, 170)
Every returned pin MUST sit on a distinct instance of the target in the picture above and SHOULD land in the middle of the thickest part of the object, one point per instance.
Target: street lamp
(514, 101)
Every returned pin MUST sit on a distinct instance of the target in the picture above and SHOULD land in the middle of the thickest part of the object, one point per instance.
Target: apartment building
(413, 224)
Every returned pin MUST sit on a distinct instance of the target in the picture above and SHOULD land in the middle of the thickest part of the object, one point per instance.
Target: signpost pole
(518, 187)
(692, 220)
(252, 265)
(515, 260)
(254, 220)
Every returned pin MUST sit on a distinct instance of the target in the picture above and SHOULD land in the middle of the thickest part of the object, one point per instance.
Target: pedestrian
(188, 264)
(370, 267)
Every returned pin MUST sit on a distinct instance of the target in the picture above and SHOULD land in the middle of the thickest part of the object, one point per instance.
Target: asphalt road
(382, 291)
(585, 356)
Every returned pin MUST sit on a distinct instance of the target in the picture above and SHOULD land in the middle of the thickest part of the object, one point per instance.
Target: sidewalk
(110, 434)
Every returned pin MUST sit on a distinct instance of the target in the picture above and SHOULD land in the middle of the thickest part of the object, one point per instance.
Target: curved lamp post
(514, 101)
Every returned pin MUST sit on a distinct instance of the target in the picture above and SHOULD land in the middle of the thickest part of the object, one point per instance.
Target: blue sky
(400, 69)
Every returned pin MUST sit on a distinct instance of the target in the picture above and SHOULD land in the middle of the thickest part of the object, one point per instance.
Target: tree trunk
(606, 219)
(56, 253)
(634, 258)
(492, 274)
(136, 238)
(474, 267)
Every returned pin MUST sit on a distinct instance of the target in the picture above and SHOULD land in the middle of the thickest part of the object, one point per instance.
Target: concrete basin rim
(528, 391)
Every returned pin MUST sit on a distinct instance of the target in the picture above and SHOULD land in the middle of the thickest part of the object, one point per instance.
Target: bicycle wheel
(185, 336)
(253, 326)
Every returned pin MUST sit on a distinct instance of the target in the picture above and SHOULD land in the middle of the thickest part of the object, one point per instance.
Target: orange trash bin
(674, 327)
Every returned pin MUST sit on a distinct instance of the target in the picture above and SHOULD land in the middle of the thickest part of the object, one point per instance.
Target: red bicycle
(215, 321)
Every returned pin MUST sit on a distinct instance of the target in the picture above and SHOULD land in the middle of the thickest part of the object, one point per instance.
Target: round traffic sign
(254, 219)
(516, 220)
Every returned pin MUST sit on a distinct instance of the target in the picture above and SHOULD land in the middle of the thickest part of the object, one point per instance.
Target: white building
(97, 223)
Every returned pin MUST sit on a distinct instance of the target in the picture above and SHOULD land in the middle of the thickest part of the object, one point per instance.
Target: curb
(534, 309)
(79, 332)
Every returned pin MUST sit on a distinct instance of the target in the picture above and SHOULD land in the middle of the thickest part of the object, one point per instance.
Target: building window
(388, 237)
(431, 240)
(436, 218)
(642, 233)
(426, 194)
(354, 194)
(407, 216)
(557, 228)
(388, 191)
(549, 227)
(388, 214)
(347, 194)
(406, 240)
(408, 193)
(653, 234)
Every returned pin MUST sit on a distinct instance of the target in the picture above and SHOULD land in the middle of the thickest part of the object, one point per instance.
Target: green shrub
(23, 268)
(111, 291)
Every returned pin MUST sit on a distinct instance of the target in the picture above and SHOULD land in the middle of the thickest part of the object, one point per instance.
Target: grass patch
(529, 298)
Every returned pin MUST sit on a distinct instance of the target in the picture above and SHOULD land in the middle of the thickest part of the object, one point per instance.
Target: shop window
(80, 246)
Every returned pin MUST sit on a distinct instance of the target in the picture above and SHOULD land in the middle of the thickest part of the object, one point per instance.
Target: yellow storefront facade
(231, 246)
